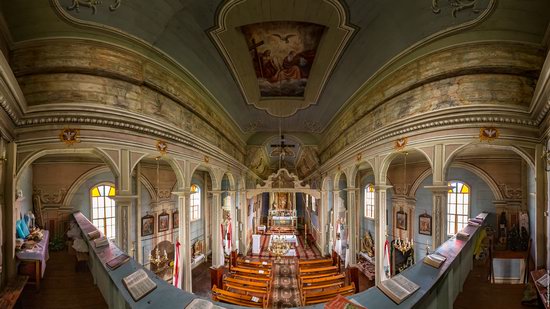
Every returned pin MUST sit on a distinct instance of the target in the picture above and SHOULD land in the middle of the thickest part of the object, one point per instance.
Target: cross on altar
(282, 147)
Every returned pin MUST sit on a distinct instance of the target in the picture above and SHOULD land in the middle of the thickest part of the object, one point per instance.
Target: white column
(380, 230)
(217, 249)
(234, 220)
(352, 226)
(439, 213)
(541, 251)
(184, 238)
(243, 228)
(323, 216)
(9, 214)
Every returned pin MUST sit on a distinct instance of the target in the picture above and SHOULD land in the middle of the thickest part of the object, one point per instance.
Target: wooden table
(542, 291)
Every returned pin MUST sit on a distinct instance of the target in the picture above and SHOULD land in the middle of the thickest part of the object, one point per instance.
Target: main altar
(282, 211)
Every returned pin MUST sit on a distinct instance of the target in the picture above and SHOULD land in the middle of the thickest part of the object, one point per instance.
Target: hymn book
(435, 260)
(398, 288)
(93, 234)
(198, 303)
(139, 284)
(462, 235)
(101, 242)
(116, 262)
(340, 302)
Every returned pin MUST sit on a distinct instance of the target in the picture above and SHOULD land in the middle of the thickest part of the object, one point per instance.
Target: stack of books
(94, 234)
(475, 222)
(101, 242)
(435, 260)
(462, 235)
(116, 262)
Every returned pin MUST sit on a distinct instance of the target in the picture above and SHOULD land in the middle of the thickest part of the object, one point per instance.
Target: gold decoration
(359, 157)
(279, 246)
(70, 136)
(206, 159)
(401, 143)
(488, 134)
(162, 147)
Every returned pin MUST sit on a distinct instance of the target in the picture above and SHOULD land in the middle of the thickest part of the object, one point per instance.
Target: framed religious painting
(401, 218)
(147, 225)
(425, 224)
(175, 220)
(164, 222)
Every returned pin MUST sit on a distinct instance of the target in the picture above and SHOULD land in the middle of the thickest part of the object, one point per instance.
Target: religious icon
(147, 225)
(401, 218)
(70, 136)
(425, 224)
(164, 220)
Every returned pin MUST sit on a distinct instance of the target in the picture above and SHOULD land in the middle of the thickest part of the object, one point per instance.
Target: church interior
(274, 154)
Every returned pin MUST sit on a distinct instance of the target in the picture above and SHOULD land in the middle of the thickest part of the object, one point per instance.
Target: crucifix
(254, 48)
(282, 148)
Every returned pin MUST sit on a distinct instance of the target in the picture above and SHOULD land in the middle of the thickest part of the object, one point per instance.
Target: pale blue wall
(25, 185)
(423, 205)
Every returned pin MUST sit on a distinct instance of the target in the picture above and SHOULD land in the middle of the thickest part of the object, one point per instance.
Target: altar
(289, 238)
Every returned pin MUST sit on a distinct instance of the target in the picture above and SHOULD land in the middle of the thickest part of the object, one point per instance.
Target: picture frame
(401, 220)
(425, 224)
(175, 219)
(164, 222)
(147, 225)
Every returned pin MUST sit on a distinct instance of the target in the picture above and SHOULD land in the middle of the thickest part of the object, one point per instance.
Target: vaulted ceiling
(235, 50)
(377, 34)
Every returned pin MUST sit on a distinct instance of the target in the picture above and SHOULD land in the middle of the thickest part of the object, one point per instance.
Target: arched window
(369, 201)
(103, 209)
(195, 198)
(458, 207)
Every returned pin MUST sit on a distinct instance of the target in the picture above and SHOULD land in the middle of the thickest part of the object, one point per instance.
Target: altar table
(37, 255)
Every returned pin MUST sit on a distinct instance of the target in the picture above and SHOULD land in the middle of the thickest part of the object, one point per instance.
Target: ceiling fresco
(282, 54)
(361, 41)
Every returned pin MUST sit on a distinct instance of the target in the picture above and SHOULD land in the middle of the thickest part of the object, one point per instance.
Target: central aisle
(285, 292)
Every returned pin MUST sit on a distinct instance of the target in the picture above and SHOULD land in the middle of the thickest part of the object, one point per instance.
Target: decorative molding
(92, 4)
(70, 136)
(48, 198)
(401, 143)
(457, 5)
(511, 193)
(162, 147)
(488, 134)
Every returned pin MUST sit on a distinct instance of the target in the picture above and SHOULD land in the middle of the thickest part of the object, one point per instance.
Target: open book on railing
(139, 284)
(398, 288)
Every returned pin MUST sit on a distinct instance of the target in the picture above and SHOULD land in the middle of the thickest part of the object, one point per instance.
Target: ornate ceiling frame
(231, 44)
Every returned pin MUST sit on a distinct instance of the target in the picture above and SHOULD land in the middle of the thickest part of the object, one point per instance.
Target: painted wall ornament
(488, 134)
(92, 4)
(401, 143)
(457, 5)
(70, 136)
(162, 147)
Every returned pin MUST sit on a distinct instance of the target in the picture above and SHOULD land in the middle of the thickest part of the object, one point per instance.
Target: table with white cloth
(38, 255)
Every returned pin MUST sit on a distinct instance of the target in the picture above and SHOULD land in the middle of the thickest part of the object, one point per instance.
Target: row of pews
(247, 284)
(320, 281)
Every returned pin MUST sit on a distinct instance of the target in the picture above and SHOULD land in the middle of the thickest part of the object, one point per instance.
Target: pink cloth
(39, 252)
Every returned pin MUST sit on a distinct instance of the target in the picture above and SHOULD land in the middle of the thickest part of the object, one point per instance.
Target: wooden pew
(252, 278)
(252, 271)
(313, 276)
(323, 282)
(311, 298)
(253, 264)
(319, 270)
(238, 299)
(246, 290)
(260, 285)
(315, 263)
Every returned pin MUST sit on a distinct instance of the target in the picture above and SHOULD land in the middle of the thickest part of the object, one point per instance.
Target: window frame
(368, 207)
(195, 208)
(105, 217)
(467, 205)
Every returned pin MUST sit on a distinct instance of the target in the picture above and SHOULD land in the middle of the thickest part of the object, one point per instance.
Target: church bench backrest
(247, 290)
(314, 262)
(250, 271)
(319, 270)
(322, 280)
(251, 278)
(317, 275)
(315, 297)
(249, 263)
(238, 299)
(257, 284)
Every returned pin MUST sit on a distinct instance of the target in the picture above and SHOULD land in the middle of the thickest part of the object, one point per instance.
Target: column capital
(184, 193)
(438, 189)
(382, 187)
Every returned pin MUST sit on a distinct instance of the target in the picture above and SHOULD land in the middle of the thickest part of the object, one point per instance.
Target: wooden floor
(62, 287)
(479, 293)
(201, 279)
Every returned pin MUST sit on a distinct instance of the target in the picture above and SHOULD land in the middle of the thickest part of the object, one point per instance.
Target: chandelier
(279, 246)
(158, 259)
